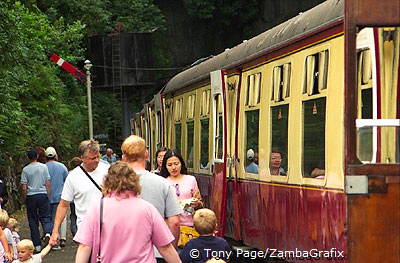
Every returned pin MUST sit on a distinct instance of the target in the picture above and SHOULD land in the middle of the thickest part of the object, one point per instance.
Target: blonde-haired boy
(7, 232)
(207, 245)
(25, 252)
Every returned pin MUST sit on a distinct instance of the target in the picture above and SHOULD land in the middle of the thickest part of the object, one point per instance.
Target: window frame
(248, 105)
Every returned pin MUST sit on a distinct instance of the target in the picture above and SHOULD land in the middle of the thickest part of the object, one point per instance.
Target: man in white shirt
(79, 188)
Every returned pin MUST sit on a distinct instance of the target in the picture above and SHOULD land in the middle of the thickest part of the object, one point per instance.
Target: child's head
(3, 218)
(205, 221)
(25, 249)
(13, 224)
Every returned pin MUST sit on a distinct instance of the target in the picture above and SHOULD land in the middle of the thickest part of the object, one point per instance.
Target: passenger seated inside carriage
(252, 160)
(275, 164)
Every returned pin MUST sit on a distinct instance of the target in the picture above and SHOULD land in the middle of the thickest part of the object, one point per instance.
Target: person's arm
(173, 223)
(45, 251)
(11, 249)
(198, 203)
(4, 243)
(48, 188)
(169, 254)
(83, 254)
(172, 212)
(47, 182)
(62, 210)
(24, 191)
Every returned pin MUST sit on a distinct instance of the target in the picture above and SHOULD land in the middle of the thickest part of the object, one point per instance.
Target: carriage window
(251, 154)
(190, 106)
(253, 89)
(190, 143)
(314, 138)
(159, 131)
(365, 134)
(205, 103)
(167, 124)
(281, 82)
(279, 140)
(316, 73)
(219, 129)
(153, 135)
(178, 133)
(204, 145)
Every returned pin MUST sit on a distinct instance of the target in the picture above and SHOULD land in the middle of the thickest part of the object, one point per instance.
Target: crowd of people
(120, 211)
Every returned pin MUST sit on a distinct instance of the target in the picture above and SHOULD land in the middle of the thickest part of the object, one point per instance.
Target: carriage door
(218, 196)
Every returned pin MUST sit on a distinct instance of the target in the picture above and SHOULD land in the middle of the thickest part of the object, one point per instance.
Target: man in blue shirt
(109, 156)
(35, 181)
(252, 167)
(58, 174)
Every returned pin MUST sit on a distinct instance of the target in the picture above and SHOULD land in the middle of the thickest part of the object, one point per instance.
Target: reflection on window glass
(252, 122)
(314, 138)
(389, 146)
(364, 135)
(178, 137)
(204, 149)
(279, 139)
(190, 148)
(219, 139)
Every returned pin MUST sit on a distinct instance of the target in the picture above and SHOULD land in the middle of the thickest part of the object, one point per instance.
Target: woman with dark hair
(41, 154)
(159, 159)
(188, 193)
(130, 225)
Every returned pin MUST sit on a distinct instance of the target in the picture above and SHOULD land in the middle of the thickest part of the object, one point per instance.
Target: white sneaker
(56, 247)
(38, 249)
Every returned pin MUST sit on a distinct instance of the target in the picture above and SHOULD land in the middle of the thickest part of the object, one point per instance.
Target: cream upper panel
(334, 132)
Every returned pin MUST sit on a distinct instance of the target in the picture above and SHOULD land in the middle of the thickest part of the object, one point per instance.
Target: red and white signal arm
(68, 67)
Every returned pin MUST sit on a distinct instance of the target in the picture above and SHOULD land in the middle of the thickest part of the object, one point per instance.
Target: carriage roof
(300, 25)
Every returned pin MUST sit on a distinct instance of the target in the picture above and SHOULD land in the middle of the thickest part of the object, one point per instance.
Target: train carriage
(319, 94)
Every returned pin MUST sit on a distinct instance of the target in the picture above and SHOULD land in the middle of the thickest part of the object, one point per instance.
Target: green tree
(106, 117)
(102, 16)
(40, 104)
(237, 12)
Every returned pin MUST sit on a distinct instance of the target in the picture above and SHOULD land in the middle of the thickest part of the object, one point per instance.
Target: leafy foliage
(40, 104)
(102, 16)
(137, 15)
(234, 13)
(106, 116)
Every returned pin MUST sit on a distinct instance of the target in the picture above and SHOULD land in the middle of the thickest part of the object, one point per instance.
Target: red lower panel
(283, 218)
(204, 183)
(278, 217)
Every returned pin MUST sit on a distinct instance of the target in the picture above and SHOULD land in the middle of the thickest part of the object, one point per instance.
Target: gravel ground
(65, 255)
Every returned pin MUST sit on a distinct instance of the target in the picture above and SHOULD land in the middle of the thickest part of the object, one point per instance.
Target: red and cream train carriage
(323, 89)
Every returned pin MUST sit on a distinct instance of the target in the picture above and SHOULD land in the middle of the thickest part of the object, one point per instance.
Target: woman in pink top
(131, 226)
(187, 191)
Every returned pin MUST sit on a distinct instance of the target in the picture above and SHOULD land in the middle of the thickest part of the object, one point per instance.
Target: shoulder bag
(98, 257)
(91, 179)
